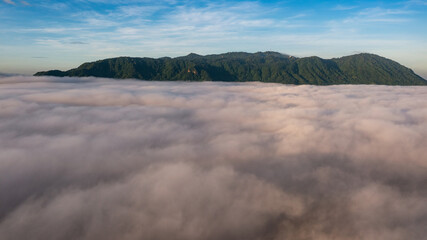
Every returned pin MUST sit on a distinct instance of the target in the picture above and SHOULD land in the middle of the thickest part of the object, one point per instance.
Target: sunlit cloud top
(39, 35)
(92, 158)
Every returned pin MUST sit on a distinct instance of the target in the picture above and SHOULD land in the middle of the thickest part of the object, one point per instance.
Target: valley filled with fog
(92, 158)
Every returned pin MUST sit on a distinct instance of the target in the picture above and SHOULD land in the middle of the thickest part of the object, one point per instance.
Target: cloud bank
(102, 159)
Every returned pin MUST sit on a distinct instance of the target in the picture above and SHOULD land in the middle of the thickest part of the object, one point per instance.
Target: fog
(102, 159)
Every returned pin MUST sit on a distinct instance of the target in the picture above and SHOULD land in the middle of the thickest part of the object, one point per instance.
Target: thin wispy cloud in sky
(87, 158)
(417, 2)
(9, 2)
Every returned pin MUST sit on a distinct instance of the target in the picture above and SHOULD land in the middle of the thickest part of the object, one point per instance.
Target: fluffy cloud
(102, 159)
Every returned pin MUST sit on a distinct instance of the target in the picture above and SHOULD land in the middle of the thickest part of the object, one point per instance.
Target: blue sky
(42, 35)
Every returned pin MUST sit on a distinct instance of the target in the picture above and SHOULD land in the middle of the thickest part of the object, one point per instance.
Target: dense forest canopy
(361, 68)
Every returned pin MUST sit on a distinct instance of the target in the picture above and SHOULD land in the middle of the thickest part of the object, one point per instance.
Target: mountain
(6, 74)
(261, 66)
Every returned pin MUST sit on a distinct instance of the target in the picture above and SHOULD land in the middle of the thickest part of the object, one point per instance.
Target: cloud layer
(103, 159)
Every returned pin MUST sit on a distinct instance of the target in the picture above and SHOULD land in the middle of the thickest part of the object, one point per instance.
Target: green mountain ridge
(275, 67)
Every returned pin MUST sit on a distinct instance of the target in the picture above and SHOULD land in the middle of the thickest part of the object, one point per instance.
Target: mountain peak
(272, 54)
(193, 55)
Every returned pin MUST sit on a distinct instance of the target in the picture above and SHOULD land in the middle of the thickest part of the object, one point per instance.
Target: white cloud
(9, 2)
(95, 159)
(52, 30)
(378, 15)
(416, 2)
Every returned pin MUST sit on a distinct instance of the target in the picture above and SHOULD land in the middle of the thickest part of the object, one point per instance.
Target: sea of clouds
(103, 159)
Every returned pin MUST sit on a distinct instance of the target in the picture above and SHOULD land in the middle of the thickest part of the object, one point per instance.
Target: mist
(92, 158)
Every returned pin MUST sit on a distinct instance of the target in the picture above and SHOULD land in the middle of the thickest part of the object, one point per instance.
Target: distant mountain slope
(261, 66)
(6, 74)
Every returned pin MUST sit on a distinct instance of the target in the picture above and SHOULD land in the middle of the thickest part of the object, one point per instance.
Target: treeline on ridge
(262, 66)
